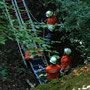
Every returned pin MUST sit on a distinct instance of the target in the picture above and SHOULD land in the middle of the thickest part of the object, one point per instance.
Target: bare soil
(17, 72)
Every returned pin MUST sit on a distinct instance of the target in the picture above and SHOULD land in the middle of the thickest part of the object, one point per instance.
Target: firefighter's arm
(61, 72)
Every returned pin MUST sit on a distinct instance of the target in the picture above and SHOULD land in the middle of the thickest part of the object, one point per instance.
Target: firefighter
(53, 69)
(65, 61)
(29, 56)
(51, 24)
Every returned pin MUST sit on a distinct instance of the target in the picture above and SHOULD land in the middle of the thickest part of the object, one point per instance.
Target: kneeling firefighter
(53, 69)
(66, 61)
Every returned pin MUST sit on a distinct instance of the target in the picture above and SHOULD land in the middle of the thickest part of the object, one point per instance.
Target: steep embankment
(13, 73)
(79, 78)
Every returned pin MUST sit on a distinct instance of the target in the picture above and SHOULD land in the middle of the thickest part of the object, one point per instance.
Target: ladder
(21, 13)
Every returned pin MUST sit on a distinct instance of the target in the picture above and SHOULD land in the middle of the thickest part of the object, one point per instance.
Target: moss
(67, 82)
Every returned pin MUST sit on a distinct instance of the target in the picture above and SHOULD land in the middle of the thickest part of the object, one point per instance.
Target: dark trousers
(51, 35)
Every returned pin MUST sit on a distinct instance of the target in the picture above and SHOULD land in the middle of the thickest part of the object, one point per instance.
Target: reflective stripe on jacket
(52, 71)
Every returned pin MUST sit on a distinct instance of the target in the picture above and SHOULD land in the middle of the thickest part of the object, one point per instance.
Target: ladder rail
(26, 8)
(15, 3)
(10, 20)
(35, 73)
(45, 61)
(29, 17)
(21, 17)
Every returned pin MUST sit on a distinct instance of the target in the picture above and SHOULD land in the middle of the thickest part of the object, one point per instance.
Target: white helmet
(53, 60)
(49, 13)
(67, 51)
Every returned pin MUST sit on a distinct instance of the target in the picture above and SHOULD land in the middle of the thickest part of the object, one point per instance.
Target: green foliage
(67, 82)
(24, 70)
(21, 33)
(74, 21)
(3, 72)
(5, 31)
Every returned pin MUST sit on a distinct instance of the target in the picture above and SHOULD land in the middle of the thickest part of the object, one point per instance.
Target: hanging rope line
(33, 27)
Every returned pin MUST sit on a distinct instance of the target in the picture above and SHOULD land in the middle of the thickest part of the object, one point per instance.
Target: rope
(34, 17)
(32, 25)
(43, 35)
(38, 23)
